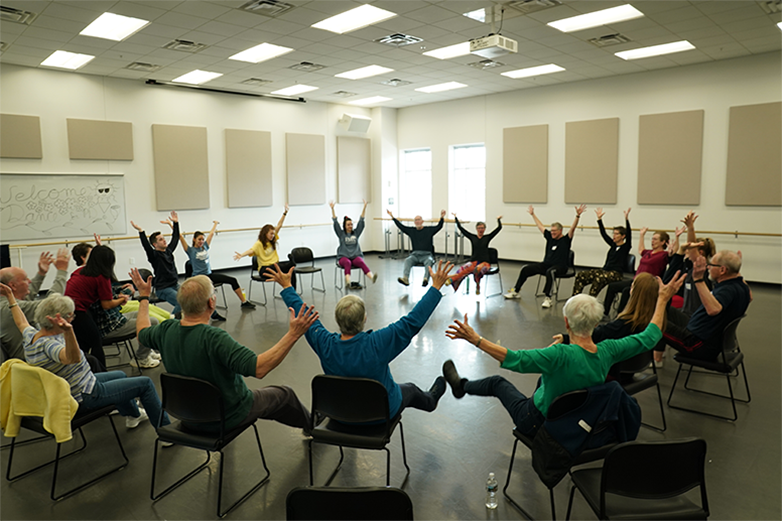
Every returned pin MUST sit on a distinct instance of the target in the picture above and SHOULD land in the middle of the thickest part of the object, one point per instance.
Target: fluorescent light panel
(67, 60)
(533, 71)
(112, 26)
(364, 72)
(478, 14)
(259, 53)
(357, 18)
(655, 50)
(197, 77)
(374, 100)
(441, 87)
(452, 51)
(779, 25)
(293, 90)
(597, 18)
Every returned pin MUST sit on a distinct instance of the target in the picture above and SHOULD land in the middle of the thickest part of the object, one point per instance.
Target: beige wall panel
(306, 158)
(20, 136)
(181, 167)
(755, 156)
(525, 164)
(670, 151)
(354, 156)
(248, 167)
(591, 161)
(105, 140)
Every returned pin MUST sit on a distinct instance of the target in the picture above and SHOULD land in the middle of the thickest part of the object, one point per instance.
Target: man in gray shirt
(25, 291)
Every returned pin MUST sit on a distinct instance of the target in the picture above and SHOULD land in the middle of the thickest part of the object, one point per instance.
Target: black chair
(569, 274)
(300, 256)
(628, 274)
(189, 273)
(256, 277)
(646, 480)
(494, 260)
(195, 401)
(345, 402)
(560, 406)
(145, 274)
(641, 380)
(335, 504)
(338, 269)
(118, 343)
(728, 361)
(83, 417)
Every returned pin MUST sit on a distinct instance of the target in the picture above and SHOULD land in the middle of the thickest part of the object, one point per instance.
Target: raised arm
(247, 253)
(71, 354)
(364, 210)
(333, 213)
(710, 304)
(298, 325)
(440, 224)
(282, 220)
(211, 233)
(629, 236)
(496, 230)
(19, 319)
(144, 241)
(641, 234)
(531, 211)
(183, 242)
(673, 247)
(664, 294)
(689, 222)
(600, 213)
(144, 291)
(175, 234)
(405, 229)
(579, 210)
(463, 330)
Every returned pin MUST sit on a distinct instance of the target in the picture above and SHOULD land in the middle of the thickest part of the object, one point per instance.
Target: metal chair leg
(507, 483)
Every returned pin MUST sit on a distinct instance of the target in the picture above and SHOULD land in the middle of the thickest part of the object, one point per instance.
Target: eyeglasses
(710, 265)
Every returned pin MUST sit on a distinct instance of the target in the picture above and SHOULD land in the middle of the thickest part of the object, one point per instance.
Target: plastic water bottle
(491, 492)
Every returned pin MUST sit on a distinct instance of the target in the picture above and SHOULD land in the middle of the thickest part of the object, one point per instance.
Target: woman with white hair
(564, 367)
(54, 347)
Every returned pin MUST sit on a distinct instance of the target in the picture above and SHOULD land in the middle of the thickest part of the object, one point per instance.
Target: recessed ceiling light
(307, 67)
(293, 90)
(533, 71)
(452, 51)
(374, 100)
(779, 25)
(478, 14)
(597, 18)
(486, 64)
(655, 50)
(197, 77)
(259, 53)
(442, 87)
(343, 94)
(363, 72)
(357, 18)
(113, 27)
(396, 82)
(67, 60)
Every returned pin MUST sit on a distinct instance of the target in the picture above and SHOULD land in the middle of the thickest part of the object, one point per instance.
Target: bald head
(195, 295)
(16, 279)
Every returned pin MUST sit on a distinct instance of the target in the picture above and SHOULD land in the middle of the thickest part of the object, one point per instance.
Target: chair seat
(126, 338)
(256, 276)
(307, 269)
(586, 456)
(83, 417)
(179, 433)
(639, 383)
(733, 361)
(375, 436)
(622, 507)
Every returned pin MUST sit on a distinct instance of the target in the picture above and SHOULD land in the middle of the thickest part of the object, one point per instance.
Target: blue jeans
(169, 295)
(418, 257)
(115, 388)
(522, 410)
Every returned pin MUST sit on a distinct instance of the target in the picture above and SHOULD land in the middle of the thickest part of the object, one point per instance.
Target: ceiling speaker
(354, 123)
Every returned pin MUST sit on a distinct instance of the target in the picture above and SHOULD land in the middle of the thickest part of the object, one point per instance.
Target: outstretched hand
(144, 286)
(627, 213)
(389, 213)
(667, 291)
(442, 214)
(97, 239)
(531, 210)
(59, 322)
(580, 209)
(441, 275)
(300, 324)
(558, 339)
(61, 261)
(463, 331)
(44, 261)
(280, 277)
(600, 213)
(174, 217)
(643, 230)
(136, 226)
(331, 204)
(6, 291)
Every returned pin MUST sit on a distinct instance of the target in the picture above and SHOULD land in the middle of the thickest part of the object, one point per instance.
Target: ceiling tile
(208, 10)
(185, 21)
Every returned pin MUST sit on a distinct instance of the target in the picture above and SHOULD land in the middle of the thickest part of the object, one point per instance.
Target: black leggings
(88, 335)
(218, 278)
(540, 268)
(284, 267)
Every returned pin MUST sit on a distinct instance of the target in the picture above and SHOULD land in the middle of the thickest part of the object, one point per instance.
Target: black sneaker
(425, 283)
(356, 285)
(217, 316)
(453, 379)
(438, 388)
(247, 304)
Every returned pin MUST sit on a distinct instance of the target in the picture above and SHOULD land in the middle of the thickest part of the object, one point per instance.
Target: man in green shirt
(563, 367)
(192, 347)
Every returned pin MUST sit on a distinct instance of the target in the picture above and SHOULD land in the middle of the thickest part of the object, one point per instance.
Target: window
(467, 182)
(415, 184)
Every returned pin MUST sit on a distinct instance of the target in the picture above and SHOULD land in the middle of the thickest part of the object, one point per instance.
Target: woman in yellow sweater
(265, 249)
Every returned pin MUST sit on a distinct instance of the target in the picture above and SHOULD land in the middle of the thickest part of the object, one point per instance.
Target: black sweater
(480, 247)
(422, 239)
(162, 262)
(616, 259)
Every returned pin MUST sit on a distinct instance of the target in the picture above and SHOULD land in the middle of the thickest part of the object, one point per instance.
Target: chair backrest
(188, 269)
(730, 341)
(302, 254)
(630, 263)
(145, 274)
(654, 469)
(565, 403)
(349, 400)
(335, 503)
(255, 266)
(571, 259)
(494, 256)
(192, 400)
(635, 364)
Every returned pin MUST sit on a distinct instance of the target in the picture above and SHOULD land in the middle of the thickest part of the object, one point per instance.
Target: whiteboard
(45, 206)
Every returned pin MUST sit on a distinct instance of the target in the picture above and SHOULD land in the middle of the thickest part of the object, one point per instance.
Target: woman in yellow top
(265, 249)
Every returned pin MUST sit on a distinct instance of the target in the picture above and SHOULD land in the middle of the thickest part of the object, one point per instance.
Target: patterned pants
(597, 278)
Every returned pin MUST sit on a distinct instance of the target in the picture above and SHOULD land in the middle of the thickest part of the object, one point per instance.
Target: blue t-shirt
(199, 259)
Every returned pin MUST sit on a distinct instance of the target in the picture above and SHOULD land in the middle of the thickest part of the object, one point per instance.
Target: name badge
(553, 248)
(687, 286)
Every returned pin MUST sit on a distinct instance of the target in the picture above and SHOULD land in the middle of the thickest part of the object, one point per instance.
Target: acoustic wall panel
(181, 167)
(306, 158)
(755, 155)
(106, 140)
(591, 161)
(20, 136)
(670, 151)
(248, 167)
(354, 164)
(525, 164)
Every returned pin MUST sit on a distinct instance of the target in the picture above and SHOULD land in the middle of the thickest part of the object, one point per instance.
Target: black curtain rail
(222, 91)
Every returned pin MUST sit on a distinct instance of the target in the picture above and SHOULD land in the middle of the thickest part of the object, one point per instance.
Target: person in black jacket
(619, 246)
(422, 238)
(480, 261)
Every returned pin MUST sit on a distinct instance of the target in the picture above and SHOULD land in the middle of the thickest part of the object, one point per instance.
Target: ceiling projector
(493, 46)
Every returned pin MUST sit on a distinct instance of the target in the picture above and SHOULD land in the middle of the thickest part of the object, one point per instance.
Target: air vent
(396, 82)
(185, 46)
(307, 67)
(141, 66)
(486, 64)
(771, 6)
(343, 94)
(609, 39)
(270, 8)
(399, 40)
(256, 82)
(17, 16)
(533, 6)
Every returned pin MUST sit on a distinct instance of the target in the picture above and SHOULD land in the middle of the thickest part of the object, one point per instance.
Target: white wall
(55, 96)
(713, 87)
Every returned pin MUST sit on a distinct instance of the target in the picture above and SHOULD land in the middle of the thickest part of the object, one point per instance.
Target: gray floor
(450, 451)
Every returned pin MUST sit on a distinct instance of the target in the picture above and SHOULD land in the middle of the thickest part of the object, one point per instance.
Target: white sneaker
(145, 363)
(546, 302)
(132, 423)
(155, 355)
(512, 293)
